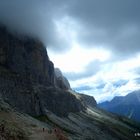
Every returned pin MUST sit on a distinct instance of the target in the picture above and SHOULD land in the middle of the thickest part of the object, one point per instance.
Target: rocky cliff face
(27, 79)
(60, 80)
(86, 100)
(26, 58)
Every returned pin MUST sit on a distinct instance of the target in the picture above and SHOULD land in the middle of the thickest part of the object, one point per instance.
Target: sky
(95, 43)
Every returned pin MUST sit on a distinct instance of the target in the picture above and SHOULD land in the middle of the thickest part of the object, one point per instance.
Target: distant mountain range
(124, 105)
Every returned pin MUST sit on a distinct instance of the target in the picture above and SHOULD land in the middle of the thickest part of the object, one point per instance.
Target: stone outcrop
(27, 79)
(60, 80)
(86, 100)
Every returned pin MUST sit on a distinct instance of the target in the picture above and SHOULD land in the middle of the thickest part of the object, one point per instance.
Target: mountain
(27, 78)
(86, 100)
(124, 105)
(60, 80)
(37, 102)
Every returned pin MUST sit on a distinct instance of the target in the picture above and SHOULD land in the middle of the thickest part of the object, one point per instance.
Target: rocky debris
(87, 100)
(26, 75)
(60, 80)
(8, 134)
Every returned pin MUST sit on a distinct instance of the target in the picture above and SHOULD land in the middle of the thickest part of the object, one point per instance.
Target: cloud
(83, 88)
(111, 24)
(114, 79)
(91, 69)
(137, 80)
(108, 90)
(34, 18)
(120, 83)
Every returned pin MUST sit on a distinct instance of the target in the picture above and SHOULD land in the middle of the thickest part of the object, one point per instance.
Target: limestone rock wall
(25, 57)
(27, 79)
(60, 80)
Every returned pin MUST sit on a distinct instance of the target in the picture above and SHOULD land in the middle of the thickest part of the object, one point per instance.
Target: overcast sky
(95, 43)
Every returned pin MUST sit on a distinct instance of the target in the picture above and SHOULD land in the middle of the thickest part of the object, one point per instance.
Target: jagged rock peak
(86, 100)
(60, 80)
(89, 100)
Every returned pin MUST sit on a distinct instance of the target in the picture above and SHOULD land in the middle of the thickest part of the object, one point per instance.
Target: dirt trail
(34, 131)
(42, 135)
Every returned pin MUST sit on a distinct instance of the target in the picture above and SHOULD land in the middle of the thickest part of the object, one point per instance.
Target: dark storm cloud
(90, 70)
(111, 23)
(108, 13)
(33, 18)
